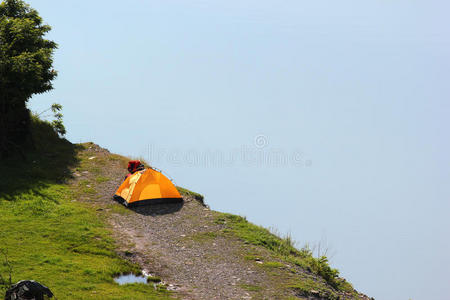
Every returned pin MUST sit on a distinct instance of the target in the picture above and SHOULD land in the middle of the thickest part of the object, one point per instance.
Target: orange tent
(147, 187)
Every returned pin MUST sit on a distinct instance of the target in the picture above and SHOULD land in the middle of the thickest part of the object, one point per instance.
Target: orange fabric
(146, 185)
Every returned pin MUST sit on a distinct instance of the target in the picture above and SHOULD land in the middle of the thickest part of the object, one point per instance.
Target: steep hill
(61, 227)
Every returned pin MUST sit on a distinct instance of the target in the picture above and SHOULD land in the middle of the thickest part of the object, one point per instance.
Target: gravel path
(175, 243)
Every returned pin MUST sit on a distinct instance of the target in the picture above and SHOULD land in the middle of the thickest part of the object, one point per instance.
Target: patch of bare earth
(182, 243)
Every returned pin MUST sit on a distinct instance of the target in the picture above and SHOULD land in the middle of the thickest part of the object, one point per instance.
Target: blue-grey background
(353, 95)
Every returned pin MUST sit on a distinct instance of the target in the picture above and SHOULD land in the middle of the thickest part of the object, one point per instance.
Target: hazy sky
(325, 119)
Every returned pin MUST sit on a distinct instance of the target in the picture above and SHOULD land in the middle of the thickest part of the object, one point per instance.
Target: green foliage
(321, 266)
(57, 123)
(154, 279)
(26, 59)
(308, 288)
(188, 193)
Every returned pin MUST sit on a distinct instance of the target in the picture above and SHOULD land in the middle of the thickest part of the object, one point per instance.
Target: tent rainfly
(147, 187)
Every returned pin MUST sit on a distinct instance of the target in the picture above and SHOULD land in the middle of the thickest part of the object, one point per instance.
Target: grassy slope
(51, 238)
(319, 279)
(65, 244)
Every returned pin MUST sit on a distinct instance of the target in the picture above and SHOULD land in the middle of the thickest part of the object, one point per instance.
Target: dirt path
(178, 243)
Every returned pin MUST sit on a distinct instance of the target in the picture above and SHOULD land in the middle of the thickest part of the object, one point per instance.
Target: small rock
(92, 157)
(85, 172)
(183, 235)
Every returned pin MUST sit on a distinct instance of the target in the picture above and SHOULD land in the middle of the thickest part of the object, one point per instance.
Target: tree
(26, 59)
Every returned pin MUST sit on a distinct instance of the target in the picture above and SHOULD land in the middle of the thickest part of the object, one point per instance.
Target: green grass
(283, 248)
(308, 287)
(114, 208)
(154, 279)
(49, 237)
(101, 179)
(202, 236)
(188, 193)
(273, 264)
(250, 287)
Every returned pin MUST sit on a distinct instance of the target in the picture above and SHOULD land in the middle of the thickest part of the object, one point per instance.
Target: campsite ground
(197, 252)
(61, 228)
